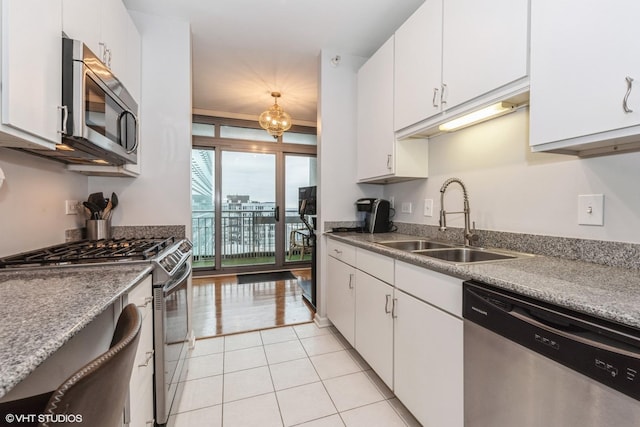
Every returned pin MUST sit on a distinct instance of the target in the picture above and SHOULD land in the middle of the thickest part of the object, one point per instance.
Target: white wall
(32, 208)
(337, 139)
(512, 189)
(161, 195)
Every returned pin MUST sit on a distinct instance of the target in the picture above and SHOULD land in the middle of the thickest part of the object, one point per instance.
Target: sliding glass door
(300, 171)
(245, 197)
(249, 212)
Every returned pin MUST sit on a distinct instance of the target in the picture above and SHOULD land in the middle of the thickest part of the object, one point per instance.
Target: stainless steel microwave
(99, 116)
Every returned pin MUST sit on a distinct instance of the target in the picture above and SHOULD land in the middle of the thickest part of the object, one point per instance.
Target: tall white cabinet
(582, 56)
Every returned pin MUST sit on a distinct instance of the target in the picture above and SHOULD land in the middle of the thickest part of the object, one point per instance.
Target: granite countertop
(611, 293)
(43, 308)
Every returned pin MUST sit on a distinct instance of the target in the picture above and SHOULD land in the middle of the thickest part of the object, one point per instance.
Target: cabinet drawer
(342, 251)
(141, 296)
(440, 290)
(377, 265)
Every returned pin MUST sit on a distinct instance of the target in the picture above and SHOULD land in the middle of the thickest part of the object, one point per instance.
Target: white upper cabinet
(31, 73)
(375, 114)
(583, 57)
(485, 47)
(418, 70)
(82, 20)
(107, 29)
(453, 56)
(381, 158)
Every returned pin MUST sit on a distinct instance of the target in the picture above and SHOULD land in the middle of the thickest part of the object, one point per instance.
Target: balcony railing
(248, 236)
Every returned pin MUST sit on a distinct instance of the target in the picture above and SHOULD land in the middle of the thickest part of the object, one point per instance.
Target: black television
(307, 200)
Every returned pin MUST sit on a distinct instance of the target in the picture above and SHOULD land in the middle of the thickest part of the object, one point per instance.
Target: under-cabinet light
(486, 113)
(100, 161)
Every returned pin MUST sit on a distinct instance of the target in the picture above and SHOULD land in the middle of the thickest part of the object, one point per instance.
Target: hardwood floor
(221, 306)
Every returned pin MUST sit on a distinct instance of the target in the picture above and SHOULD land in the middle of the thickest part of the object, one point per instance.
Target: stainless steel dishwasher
(532, 364)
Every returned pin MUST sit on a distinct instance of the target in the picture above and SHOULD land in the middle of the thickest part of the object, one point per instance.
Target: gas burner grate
(88, 251)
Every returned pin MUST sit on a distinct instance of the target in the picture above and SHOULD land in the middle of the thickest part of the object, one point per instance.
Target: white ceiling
(245, 49)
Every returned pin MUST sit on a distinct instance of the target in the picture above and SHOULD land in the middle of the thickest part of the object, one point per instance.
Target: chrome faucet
(469, 236)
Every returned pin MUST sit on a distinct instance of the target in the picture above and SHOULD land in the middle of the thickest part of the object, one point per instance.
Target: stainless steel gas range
(172, 269)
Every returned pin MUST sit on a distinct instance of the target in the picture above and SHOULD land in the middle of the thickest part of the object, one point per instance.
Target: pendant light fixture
(275, 120)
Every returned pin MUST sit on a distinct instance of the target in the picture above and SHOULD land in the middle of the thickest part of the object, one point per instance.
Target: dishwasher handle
(571, 331)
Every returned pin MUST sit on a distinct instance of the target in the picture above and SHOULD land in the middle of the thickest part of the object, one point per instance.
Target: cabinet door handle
(386, 304)
(103, 52)
(149, 357)
(337, 251)
(65, 118)
(443, 95)
(389, 161)
(625, 104)
(435, 97)
(350, 281)
(393, 308)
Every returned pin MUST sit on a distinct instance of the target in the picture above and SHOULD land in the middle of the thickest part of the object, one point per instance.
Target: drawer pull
(350, 281)
(337, 251)
(150, 422)
(149, 357)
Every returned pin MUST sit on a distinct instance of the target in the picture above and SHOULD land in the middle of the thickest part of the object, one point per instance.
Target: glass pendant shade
(275, 120)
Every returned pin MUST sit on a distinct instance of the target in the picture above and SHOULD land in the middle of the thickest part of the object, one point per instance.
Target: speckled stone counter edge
(133, 232)
(613, 254)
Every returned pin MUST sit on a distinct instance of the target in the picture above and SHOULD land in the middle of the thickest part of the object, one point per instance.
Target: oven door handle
(174, 283)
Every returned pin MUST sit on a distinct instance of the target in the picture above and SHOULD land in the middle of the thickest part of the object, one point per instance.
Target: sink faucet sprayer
(469, 236)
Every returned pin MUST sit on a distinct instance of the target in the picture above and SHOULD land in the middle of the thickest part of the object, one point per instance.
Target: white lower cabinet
(374, 324)
(428, 376)
(406, 323)
(341, 292)
(141, 384)
(428, 345)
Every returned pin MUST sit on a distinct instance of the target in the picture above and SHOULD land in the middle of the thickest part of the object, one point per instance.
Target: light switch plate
(591, 209)
(428, 207)
(406, 207)
(72, 207)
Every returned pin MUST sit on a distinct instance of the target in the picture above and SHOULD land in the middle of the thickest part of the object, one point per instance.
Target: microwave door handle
(120, 132)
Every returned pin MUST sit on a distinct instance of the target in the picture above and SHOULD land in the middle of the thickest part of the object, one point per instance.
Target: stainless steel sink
(466, 255)
(414, 245)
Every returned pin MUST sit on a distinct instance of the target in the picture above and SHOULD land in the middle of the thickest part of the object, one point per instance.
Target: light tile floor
(290, 376)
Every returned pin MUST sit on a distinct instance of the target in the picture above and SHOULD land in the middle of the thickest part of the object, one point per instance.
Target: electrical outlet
(591, 209)
(392, 202)
(428, 207)
(72, 207)
(406, 207)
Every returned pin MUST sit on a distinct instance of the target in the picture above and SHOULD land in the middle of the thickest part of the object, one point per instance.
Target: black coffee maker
(377, 214)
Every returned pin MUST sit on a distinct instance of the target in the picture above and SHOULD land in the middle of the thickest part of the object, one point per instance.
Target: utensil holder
(98, 229)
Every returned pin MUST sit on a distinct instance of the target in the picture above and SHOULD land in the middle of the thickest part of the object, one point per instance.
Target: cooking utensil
(107, 210)
(93, 208)
(114, 201)
(97, 199)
